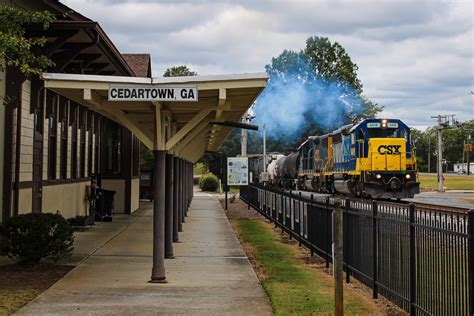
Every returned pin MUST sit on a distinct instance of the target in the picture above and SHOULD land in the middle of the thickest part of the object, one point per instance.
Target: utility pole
(444, 122)
(264, 148)
(429, 153)
(468, 150)
(243, 141)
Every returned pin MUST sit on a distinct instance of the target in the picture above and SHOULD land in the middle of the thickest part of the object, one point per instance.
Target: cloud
(415, 57)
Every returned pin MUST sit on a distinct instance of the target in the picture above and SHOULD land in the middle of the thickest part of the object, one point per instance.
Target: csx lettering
(389, 149)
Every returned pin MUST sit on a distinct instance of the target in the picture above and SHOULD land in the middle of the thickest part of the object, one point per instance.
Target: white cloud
(415, 57)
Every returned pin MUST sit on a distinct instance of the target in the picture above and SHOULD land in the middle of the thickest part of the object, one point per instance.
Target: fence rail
(420, 259)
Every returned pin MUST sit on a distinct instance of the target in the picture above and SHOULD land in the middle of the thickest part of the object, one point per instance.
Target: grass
(234, 189)
(452, 182)
(12, 300)
(293, 287)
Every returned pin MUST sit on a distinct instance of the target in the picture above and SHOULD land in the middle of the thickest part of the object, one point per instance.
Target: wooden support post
(338, 259)
(183, 197)
(180, 196)
(169, 207)
(175, 200)
(158, 270)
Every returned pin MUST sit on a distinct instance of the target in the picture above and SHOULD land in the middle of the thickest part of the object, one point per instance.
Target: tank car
(272, 168)
(287, 170)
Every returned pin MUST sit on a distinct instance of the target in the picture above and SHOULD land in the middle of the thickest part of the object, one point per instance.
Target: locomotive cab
(384, 159)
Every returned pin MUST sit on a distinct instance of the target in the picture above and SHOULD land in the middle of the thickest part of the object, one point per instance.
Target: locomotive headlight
(378, 176)
(408, 176)
(384, 121)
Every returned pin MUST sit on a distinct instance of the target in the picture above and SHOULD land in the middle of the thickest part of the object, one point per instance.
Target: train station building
(87, 116)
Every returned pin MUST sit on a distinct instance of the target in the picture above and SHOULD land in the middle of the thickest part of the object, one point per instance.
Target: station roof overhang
(185, 129)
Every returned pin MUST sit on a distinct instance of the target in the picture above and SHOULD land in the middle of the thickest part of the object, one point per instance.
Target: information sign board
(237, 171)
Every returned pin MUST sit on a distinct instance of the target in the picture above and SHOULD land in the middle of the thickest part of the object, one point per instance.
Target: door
(37, 161)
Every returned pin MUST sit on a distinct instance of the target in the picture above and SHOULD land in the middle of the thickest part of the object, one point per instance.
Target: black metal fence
(420, 259)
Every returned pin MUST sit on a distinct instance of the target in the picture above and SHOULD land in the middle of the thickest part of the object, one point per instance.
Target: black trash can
(105, 205)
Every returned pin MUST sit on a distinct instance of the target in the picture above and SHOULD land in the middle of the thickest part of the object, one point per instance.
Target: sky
(416, 58)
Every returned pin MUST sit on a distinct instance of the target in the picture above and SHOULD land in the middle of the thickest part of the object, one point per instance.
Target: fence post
(412, 261)
(374, 249)
(310, 215)
(249, 196)
(337, 258)
(225, 208)
(328, 236)
(300, 220)
(470, 253)
(345, 221)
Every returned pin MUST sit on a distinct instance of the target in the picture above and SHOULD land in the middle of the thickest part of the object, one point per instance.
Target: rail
(420, 259)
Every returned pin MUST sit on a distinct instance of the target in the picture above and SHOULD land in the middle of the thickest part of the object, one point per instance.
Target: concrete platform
(210, 275)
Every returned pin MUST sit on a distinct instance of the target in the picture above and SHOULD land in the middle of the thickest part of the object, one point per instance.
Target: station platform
(209, 275)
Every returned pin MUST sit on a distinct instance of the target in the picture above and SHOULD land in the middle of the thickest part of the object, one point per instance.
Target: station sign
(153, 93)
(237, 171)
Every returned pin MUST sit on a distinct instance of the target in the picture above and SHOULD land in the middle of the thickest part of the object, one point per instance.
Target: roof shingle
(140, 64)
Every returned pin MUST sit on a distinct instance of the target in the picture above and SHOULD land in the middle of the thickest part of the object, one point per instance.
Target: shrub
(208, 182)
(35, 236)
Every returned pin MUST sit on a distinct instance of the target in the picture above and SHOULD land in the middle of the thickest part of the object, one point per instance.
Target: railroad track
(437, 207)
(419, 205)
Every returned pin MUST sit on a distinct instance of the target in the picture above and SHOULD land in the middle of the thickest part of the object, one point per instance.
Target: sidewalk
(210, 274)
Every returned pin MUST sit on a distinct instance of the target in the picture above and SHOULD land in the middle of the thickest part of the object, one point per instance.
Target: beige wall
(135, 198)
(24, 203)
(117, 185)
(2, 135)
(72, 202)
(26, 144)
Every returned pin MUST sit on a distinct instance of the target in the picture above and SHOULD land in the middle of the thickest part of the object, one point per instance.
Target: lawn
(294, 288)
(452, 182)
(20, 284)
(12, 300)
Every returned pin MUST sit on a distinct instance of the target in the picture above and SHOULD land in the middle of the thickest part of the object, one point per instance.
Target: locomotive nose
(395, 184)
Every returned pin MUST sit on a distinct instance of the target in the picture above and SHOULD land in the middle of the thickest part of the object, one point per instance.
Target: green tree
(321, 60)
(179, 71)
(453, 140)
(331, 61)
(327, 61)
(146, 158)
(17, 50)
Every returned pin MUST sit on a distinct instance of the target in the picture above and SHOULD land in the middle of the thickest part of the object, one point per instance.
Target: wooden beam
(87, 59)
(58, 42)
(222, 96)
(223, 104)
(195, 157)
(159, 135)
(62, 59)
(188, 127)
(191, 136)
(111, 109)
(197, 146)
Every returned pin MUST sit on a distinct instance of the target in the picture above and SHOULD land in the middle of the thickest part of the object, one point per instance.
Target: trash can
(105, 205)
